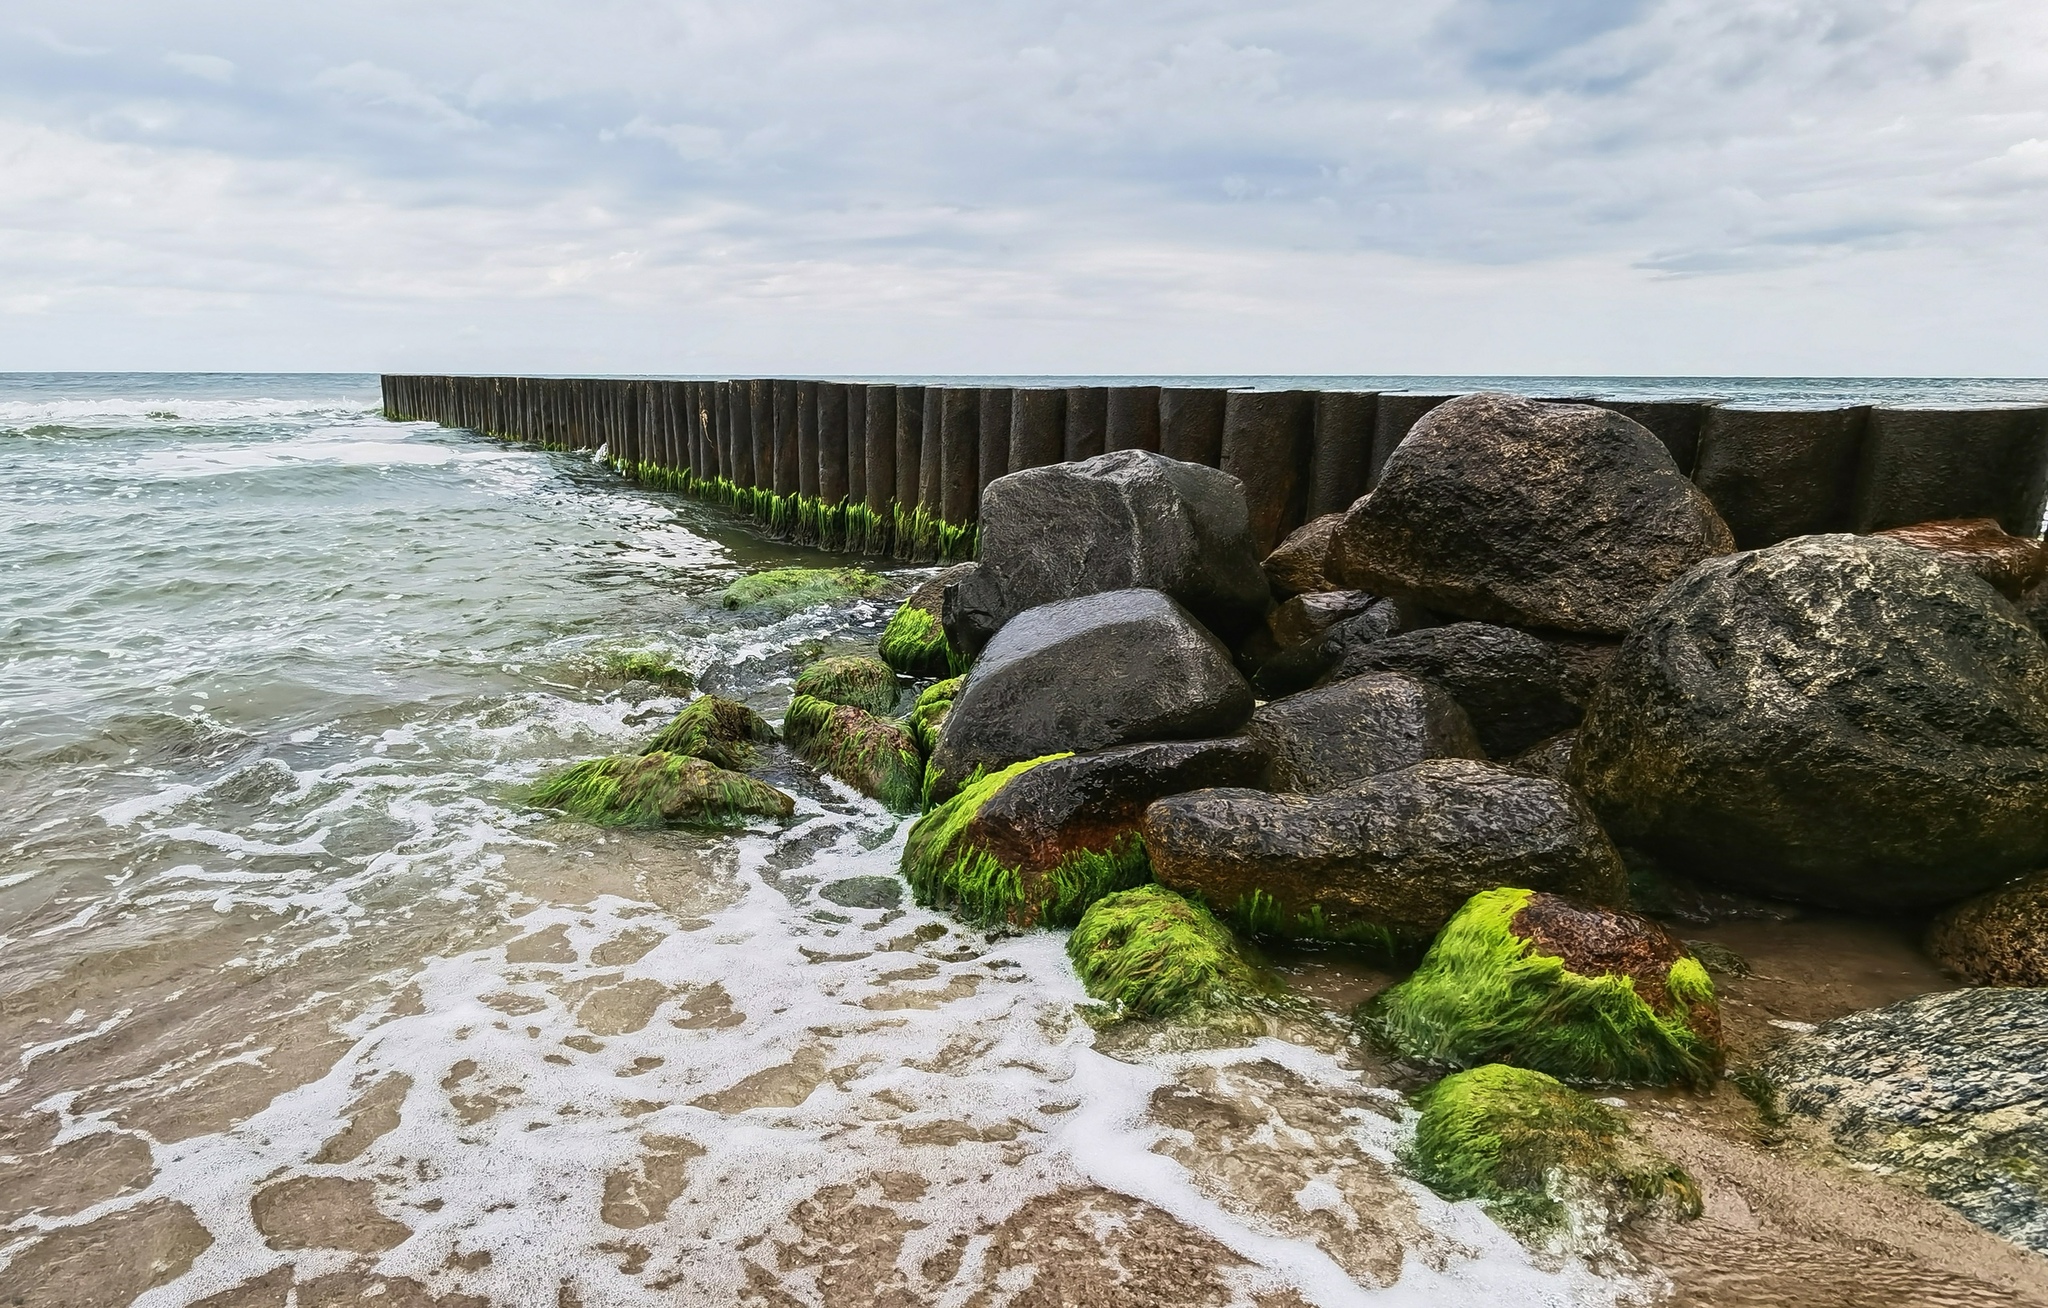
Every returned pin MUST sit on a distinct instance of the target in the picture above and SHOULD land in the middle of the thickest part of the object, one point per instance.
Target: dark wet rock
(1533, 515)
(1548, 758)
(1132, 519)
(656, 789)
(1375, 623)
(1943, 1092)
(1516, 688)
(1999, 938)
(1835, 719)
(876, 756)
(723, 731)
(1085, 674)
(2012, 564)
(914, 643)
(1385, 862)
(1301, 565)
(1331, 737)
(854, 679)
(864, 892)
(1585, 993)
(1293, 656)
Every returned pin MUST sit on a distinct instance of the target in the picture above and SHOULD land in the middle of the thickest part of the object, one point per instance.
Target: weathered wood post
(1266, 442)
(1038, 427)
(856, 450)
(909, 463)
(993, 459)
(1131, 418)
(1191, 424)
(788, 420)
(959, 458)
(1342, 459)
(1919, 465)
(883, 437)
(1087, 419)
(1776, 473)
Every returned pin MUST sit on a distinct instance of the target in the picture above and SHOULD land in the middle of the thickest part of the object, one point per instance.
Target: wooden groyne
(875, 468)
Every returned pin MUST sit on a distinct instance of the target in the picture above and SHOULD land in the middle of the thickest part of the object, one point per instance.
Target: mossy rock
(875, 756)
(946, 868)
(933, 703)
(1154, 954)
(720, 730)
(786, 590)
(1588, 995)
(914, 643)
(1543, 1158)
(655, 665)
(856, 679)
(659, 788)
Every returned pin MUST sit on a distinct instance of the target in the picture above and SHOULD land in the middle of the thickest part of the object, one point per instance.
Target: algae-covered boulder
(1516, 688)
(1943, 1092)
(785, 590)
(1115, 522)
(914, 643)
(1086, 674)
(1332, 737)
(1843, 720)
(1512, 511)
(2012, 564)
(657, 788)
(1587, 994)
(657, 666)
(853, 679)
(1545, 1160)
(1300, 564)
(1385, 862)
(1154, 954)
(934, 702)
(719, 730)
(2000, 938)
(874, 755)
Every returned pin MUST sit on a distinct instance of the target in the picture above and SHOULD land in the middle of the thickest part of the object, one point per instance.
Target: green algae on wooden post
(1156, 954)
(1540, 1156)
(945, 868)
(721, 730)
(1483, 995)
(652, 789)
(790, 589)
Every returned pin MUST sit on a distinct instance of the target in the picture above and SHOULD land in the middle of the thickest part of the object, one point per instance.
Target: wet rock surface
(1516, 688)
(2012, 564)
(1132, 519)
(1943, 1091)
(1090, 673)
(1999, 938)
(1386, 861)
(1301, 564)
(1538, 515)
(1836, 719)
(1334, 736)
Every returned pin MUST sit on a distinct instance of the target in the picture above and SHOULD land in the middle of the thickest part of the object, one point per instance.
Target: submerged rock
(1943, 1091)
(914, 643)
(2012, 564)
(1385, 862)
(1087, 674)
(656, 788)
(657, 667)
(1115, 522)
(874, 755)
(1586, 994)
(853, 679)
(720, 730)
(1516, 688)
(1301, 563)
(1543, 1158)
(1999, 938)
(1329, 738)
(785, 590)
(1537, 515)
(1836, 719)
(1154, 954)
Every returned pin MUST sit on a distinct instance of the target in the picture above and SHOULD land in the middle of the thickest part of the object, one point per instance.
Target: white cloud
(205, 67)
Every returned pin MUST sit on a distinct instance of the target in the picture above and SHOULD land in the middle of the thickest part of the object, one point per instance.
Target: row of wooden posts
(880, 468)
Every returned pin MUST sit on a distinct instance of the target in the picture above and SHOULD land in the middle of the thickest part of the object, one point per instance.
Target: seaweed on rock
(656, 788)
(789, 589)
(1155, 954)
(720, 730)
(1543, 1158)
(929, 714)
(655, 665)
(1486, 994)
(854, 679)
(915, 644)
(873, 755)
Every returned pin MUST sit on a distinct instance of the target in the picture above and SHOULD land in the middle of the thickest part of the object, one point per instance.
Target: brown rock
(2013, 564)
(1302, 563)
(1334, 736)
(2000, 938)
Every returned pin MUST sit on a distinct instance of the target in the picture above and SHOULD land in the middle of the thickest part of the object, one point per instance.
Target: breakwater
(898, 470)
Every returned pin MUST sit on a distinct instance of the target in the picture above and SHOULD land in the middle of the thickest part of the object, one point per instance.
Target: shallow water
(297, 993)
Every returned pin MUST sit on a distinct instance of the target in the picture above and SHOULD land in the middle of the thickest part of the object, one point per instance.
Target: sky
(1693, 187)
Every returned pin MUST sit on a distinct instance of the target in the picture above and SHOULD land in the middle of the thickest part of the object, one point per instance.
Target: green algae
(1257, 913)
(1155, 954)
(922, 536)
(788, 589)
(934, 702)
(720, 730)
(1483, 995)
(915, 644)
(657, 788)
(806, 717)
(874, 756)
(655, 665)
(1541, 1157)
(855, 679)
(946, 869)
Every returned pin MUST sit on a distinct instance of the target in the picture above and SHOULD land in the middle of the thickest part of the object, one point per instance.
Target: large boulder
(877, 756)
(1516, 688)
(1385, 862)
(1090, 673)
(1132, 519)
(1842, 720)
(1943, 1092)
(2000, 938)
(1332, 737)
(1508, 510)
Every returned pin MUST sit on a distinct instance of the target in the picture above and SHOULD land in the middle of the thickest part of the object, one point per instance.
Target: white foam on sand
(867, 1042)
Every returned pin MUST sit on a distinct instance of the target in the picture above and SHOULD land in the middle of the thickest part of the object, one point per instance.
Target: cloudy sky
(1842, 187)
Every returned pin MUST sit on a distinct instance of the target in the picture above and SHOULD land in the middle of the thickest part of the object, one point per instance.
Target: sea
(300, 1002)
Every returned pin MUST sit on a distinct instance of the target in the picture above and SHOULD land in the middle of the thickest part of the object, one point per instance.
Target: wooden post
(1087, 419)
(857, 443)
(1131, 420)
(880, 455)
(1775, 474)
(1266, 443)
(909, 444)
(1342, 461)
(959, 454)
(1393, 415)
(1038, 426)
(828, 470)
(994, 458)
(1919, 465)
(784, 437)
(1191, 424)
(807, 438)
